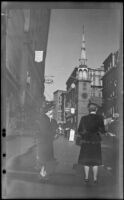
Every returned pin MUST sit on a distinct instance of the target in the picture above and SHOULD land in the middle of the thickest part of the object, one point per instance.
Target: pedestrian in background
(89, 129)
(45, 139)
(53, 124)
(113, 127)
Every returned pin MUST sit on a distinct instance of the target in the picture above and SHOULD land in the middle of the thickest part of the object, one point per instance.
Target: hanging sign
(72, 134)
(38, 56)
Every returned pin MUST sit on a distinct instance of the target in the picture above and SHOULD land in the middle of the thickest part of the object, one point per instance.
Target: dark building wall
(25, 32)
(63, 106)
(111, 85)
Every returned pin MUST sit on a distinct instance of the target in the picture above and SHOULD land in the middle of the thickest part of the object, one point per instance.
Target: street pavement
(18, 144)
(65, 176)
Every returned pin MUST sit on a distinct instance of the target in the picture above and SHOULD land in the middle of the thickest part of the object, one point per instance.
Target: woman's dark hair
(92, 107)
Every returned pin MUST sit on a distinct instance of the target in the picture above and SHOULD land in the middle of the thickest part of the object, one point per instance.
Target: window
(71, 120)
(97, 81)
(60, 99)
(84, 74)
(84, 86)
(100, 95)
(110, 65)
(101, 82)
(80, 74)
(115, 83)
(97, 73)
(28, 80)
(113, 111)
(113, 60)
(59, 107)
(75, 118)
(27, 19)
(102, 73)
(58, 116)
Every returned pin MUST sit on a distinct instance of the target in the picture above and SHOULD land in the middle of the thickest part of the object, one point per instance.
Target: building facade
(63, 106)
(59, 101)
(111, 90)
(23, 83)
(83, 85)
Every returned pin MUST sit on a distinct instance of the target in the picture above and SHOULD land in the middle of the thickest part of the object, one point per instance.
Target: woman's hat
(95, 101)
(93, 104)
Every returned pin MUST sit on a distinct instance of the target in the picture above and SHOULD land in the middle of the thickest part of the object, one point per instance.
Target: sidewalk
(64, 151)
(18, 144)
(66, 155)
(63, 175)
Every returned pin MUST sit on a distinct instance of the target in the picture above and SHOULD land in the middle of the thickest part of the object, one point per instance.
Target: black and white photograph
(61, 100)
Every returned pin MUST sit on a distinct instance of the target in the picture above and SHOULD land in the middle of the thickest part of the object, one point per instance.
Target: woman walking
(45, 139)
(89, 129)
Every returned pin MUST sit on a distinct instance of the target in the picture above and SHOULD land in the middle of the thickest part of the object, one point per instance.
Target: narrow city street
(65, 179)
(61, 81)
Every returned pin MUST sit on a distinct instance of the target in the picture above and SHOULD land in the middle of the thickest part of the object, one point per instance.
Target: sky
(102, 35)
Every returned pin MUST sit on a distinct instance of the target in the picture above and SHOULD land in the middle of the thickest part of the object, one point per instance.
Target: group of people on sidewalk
(89, 138)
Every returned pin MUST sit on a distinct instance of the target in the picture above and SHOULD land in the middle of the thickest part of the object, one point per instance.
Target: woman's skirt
(45, 151)
(90, 154)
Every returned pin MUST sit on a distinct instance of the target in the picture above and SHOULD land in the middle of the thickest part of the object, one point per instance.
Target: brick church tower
(83, 83)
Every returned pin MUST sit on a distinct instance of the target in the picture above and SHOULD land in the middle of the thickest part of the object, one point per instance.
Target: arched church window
(80, 74)
(84, 74)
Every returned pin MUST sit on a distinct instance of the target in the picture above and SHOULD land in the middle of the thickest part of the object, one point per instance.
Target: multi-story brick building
(111, 90)
(63, 107)
(59, 101)
(96, 81)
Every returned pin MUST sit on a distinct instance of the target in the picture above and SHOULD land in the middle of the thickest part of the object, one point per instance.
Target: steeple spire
(83, 58)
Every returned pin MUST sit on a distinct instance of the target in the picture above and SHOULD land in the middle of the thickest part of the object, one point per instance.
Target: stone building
(24, 46)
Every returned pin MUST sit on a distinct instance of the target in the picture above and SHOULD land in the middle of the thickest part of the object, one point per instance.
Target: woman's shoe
(43, 174)
(86, 180)
(43, 177)
(96, 182)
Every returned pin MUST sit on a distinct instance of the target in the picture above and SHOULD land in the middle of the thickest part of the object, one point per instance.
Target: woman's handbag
(81, 137)
(78, 140)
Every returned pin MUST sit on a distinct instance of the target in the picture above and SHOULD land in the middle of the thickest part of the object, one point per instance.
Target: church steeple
(83, 58)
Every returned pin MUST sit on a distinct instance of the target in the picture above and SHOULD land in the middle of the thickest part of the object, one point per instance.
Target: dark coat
(90, 127)
(45, 139)
(54, 126)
